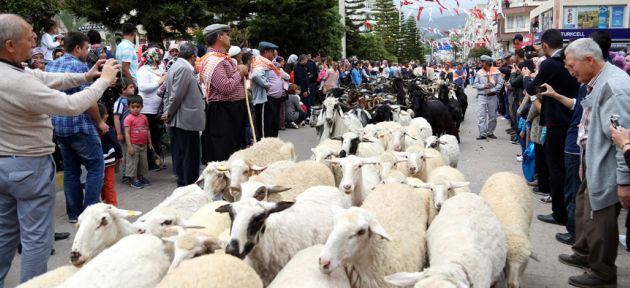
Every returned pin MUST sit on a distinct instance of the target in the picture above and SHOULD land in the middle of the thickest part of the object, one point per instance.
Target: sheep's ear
(371, 160)
(423, 186)
(336, 138)
(455, 185)
(407, 134)
(235, 191)
(122, 213)
(366, 140)
(188, 225)
(280, 206)
(277, 189)
(224, 209)
(171, 239)
(377, 229)
(257, 169)
(200, 179)
(403, 279)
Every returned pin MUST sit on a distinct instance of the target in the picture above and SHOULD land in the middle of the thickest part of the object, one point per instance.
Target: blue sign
(616, 19)
(568, 34)
(602, 19)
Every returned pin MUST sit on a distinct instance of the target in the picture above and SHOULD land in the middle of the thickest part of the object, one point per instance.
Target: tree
(71, 21)
(410, 46)
(33, 11)
(455, 46)
(478, 51)
(355, 18)
(387, 26)
(372, 48)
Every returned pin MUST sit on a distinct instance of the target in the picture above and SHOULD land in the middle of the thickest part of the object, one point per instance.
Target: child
(112, 153)
(295, 115)
(126, 89)
(137, 137)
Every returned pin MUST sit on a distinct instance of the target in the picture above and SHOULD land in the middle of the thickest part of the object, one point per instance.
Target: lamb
(302, 271)
(212, 271)
(385, 135)
(134, 261)
(445, 182)
(412, 137)
(190, 243)
(291, 182)
(99, 226)
(215, 180)
(466, 247)
(509, 197)
(351, 144)
(326, 150)
(421, 161)
(361, 241)
(360, 175)
(422, 126)
(392, 166)
(448, 147)
(52, 278)
(205, 218)
(269, 234)
(250, 161)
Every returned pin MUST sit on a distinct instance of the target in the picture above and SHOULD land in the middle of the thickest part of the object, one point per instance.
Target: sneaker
(294, 126)
(545, 200)
(501, 118)
(491, 136)
(72, 221)
(622, 240)
(519, 158)
(137, 184)
(144, 181)
(127, 180)
(481, 138)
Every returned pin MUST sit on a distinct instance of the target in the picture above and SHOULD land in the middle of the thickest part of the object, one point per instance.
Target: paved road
(478, 160)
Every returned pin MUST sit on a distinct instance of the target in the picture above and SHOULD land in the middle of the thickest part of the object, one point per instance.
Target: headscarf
(292, 59)
(38, 50)
(151, 56)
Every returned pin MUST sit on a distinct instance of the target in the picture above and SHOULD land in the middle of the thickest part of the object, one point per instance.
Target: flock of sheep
(383, 207)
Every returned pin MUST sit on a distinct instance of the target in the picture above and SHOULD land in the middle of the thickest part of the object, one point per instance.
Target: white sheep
(421, 161)
(99, 227)
(360, 175)
(215, 180)
(386, 131)
(252, 160)
(190, 243)
(466, 247)
(352, 144)
(393, 167)
(302, 271)
(134, 261)
(212, 271)
(509, 197)
(385, 235)
(370, 131)
(422, 125)
(292, 182)
(327, 150)
(445, 182)
(52, 278)
(269, 234)
(412, 137)
(401, 116)
(448, 147)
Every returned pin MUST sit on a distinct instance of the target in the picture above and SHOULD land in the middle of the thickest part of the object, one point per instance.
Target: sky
(413, 9)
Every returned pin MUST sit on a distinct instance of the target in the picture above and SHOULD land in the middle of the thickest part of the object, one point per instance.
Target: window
(521, 22)
(509, 23)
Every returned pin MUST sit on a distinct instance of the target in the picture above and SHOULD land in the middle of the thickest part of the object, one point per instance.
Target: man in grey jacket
(184, 114)
(267, 90)
(605, 177)
(488, 83)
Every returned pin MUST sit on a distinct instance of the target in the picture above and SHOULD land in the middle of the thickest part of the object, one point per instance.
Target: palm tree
(71, 21)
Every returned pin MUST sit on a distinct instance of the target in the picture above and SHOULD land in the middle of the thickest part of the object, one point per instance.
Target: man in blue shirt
(78, 136)
(356, 74)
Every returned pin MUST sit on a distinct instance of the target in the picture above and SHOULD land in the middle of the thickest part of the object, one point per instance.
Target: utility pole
(342, 13)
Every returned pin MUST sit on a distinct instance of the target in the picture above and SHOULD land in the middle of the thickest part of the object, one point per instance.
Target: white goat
(422, 126)
(333, 122)
(448, 147)
(352, 144)
(360, 175)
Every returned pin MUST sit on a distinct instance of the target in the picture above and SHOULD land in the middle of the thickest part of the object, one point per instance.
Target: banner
(570, 18)
(616, 19)
(602, 19)
(588, 16)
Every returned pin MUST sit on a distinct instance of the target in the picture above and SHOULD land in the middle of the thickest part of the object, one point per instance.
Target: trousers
(487, 118)
(571, 185)
(267, 117)
(186, 155)
(225, 126)
(554, 156)
(108, 194)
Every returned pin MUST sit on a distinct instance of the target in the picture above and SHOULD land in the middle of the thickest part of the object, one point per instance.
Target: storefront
(620, 37)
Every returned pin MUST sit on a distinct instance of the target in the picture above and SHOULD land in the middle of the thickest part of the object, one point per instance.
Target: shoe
(519, 158)
(137, 184)
(546, 199)
(550, 219)
(481, 138)
(61, 236)
(509, 130)
(52, 251)
(491, 136)
(501, 118)
(572, 261)
(127, 180)
(72, 221)
(588, 280)
(622, 240)
(565, 238)
(294, 126)
(533, 183)
(543, 194)
(144, 181)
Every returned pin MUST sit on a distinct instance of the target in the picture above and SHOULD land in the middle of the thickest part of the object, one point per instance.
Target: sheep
(352, 144)
(445, 182)
(326, 150)
(302, 271)
(509, 197)
(251, 161)
(190, 243)
(99, 227)
(359, 176)
(385, 135)
(291, 182)
(422, 126)
(361, 241)
(426, 193)
(181, 204)
(269, 234)
(333, 122)
(52, 278)
(421, 161)
(212, 271)
(134, 261)
(370, 131)
(448, 147)
(401, 116)
(390, 162)
(215, 180)
(466, 247)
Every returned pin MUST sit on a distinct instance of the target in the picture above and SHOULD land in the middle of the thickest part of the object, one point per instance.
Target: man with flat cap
(226, 112)
(488, 82)
(267, 91)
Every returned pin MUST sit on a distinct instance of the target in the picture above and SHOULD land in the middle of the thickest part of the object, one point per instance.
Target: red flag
(456, 1)
(456, 11)
(441, 6)
(367, 24)
(441, 11)
(496, 14)
(419, 12)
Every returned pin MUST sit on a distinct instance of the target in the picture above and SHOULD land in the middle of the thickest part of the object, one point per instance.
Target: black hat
(518, 37)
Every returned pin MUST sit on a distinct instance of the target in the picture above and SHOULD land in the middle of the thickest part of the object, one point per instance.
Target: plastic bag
(529, 162)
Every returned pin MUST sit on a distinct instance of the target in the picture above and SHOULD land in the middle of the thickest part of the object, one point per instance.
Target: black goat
(462, 98)
(398, 86)
(436, 113)
(453, 105)
(383, 112)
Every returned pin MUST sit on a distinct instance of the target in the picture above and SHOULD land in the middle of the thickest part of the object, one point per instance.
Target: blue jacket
(356, 77)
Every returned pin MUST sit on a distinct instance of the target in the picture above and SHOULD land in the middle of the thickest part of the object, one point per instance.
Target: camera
(540, 89)
(614, 120)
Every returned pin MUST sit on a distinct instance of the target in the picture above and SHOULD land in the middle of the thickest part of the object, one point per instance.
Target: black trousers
(554, 156)
(267, 122)
(225, 127)
(155, 126)
(541, 169)
(185, 152)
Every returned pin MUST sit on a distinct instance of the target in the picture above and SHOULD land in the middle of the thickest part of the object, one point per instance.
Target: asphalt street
(478, 160)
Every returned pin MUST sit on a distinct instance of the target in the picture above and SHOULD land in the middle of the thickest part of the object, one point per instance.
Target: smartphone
(540, 89)
(614, 120)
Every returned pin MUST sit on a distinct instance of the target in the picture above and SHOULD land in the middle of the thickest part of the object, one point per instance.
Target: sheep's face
(416, 162)
(97, 230)
(353, 232)
(257, 190)
(241, 170)
(321, 154)
(349, 144)
(189, 245)
(156, 223)
(248, 223)
(442, 190)
(432, 142)
(215, 178)
(351, 171)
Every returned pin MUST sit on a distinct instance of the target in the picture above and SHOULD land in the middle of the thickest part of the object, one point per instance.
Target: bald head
(16, 38)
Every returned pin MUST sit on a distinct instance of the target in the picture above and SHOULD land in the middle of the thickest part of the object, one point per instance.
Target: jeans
(487, 118)
(571, 185)
(27, 207)
(77, 150)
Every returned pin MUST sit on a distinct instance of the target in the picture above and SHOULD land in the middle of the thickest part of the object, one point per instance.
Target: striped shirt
(226, 84)
(126, 52)
(586, 114)
(70, 125)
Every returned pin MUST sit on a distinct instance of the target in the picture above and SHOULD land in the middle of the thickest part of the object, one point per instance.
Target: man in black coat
(555, 117)
(300, 76)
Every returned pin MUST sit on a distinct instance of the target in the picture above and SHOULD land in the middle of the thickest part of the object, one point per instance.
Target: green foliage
(478, 51)
(387, 26)
(371, 48)
(71, 21)
(354, 17)
(410, 44)
(455, 46)
(34, 11)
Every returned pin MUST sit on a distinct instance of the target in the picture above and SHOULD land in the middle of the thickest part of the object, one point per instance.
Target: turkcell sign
(622, 34)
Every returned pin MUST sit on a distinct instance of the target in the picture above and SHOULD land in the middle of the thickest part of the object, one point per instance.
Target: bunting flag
(457, 1)
(456, 11)
(405, 2)
(367, 24)
(441, 6)
(441, 11)
(419, 12)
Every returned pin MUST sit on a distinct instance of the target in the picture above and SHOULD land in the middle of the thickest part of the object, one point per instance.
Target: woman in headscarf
(150, 76)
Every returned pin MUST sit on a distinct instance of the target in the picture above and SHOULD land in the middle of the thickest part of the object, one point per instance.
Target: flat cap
(266, 45)
(485, 58)
(215, 28)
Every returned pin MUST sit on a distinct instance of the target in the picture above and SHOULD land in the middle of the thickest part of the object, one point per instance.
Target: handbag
(529, 162)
